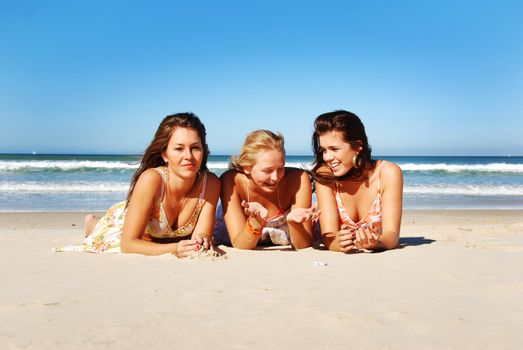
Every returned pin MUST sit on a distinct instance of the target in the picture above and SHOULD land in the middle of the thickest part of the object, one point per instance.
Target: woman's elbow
(242, 247)
(330, 243)
(126, 247)
(390, 243)
(301, 245)
(239, 244)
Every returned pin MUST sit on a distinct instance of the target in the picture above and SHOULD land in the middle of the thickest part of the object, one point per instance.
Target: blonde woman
(264, 202)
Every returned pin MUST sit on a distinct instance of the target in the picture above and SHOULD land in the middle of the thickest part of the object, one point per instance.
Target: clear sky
(426, 77)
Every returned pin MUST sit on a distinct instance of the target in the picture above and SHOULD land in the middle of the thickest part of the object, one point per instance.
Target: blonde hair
(256, 141)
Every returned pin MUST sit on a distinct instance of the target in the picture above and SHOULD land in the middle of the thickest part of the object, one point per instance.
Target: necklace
(181, 200)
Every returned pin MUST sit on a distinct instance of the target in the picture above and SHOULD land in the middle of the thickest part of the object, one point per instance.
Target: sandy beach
(455, 283)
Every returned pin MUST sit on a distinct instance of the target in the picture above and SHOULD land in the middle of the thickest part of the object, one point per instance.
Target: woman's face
(337, 153)
(268, 170)
(184, 152)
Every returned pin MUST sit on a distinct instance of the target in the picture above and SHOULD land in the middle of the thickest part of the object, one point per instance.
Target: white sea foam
(68, 165)
(85, 187)
(225, 165)
(451, 168)
(217, 165)
(465, 190)
(43, 165)
(60, 165)
(50, 187)
(454, 168)
(299, 165)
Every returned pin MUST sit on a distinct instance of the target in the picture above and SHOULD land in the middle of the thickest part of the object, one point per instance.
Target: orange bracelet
(254, 227)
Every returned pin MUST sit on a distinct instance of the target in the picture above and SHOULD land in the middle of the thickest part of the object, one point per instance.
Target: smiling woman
(360, 198)
(171, 201)
(262, 200)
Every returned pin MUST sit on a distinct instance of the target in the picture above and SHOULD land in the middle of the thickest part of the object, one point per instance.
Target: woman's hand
(366, 237)
(203, 242)
(347, 238)
(186, 247)
(300, 215)
(256, 210)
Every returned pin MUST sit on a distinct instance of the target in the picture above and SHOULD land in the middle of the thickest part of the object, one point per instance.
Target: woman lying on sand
(264, 201)
(170, 207)
(360, 198)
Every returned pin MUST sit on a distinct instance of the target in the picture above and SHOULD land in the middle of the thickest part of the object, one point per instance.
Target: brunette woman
(360, 198)
(170, 207)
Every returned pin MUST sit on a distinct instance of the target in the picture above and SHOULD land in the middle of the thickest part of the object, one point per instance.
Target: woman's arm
(299, 218)
(205, 225)
(329, 217)
(391, 206)
(145, 195)
(233, 214)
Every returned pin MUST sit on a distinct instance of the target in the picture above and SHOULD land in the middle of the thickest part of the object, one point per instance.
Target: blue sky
(426, 77)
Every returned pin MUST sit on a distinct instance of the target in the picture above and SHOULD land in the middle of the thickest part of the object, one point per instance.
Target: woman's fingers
(247, 208)
(346, 237)
(366, 238)
(299, 215)
(186, 247)
(349, 249)
(254, 208)
(359, 235)
(316, 215)
(206, 243)
(347, 241)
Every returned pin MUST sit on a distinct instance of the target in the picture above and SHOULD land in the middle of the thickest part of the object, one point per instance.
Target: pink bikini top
(373, 217)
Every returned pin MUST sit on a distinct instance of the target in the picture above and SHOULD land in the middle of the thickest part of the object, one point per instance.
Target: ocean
(95, 182)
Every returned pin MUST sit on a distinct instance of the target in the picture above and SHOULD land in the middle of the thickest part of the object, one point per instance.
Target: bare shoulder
(213, 188)
(231, 179)
(149, 184)
(228, 176)
(322, 188)
(391, 172)
(212, 180)
(295, 174)
(150, 177)
(324, 170)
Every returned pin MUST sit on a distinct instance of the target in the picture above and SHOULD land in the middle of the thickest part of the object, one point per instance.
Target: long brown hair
(353, 131)
(152, 156)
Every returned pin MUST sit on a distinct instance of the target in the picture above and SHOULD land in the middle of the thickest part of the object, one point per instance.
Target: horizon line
(228, 155)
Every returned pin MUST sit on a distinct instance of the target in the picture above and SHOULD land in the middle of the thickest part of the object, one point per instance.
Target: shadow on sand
(414, 241)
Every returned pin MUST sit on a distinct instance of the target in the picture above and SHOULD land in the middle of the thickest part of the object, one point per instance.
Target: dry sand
(455, 283)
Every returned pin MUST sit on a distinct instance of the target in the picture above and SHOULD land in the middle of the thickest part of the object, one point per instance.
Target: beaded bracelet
(254, 227)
